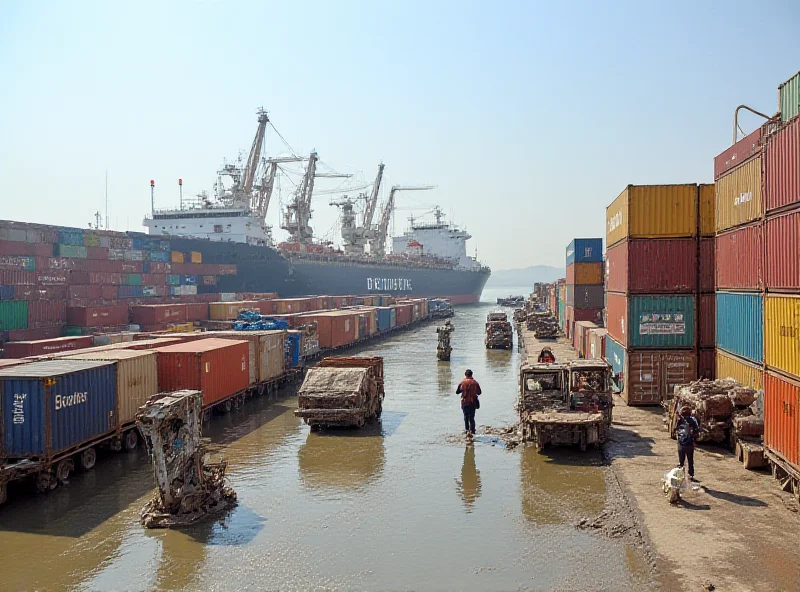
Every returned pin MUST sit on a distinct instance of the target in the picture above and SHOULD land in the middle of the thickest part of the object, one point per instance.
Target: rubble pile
(520, 316)
(188, 487)
(722, 407)
(443, 349)
(543, 324)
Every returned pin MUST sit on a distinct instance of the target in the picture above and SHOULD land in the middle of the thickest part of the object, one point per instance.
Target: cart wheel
(130, 440)
(115, 444)
(87, 459)
(227, 406)
(63, 469)
(46, 481)
(206, 415)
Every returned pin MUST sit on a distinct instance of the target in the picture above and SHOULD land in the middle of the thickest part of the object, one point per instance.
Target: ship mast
(377, 239)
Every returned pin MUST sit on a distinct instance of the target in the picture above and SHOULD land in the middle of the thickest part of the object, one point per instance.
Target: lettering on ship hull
(388, 285)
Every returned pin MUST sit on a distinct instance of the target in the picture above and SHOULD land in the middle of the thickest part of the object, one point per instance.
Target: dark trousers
(686, 453)
(469, 418)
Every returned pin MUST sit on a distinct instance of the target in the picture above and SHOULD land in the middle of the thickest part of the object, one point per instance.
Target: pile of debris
(724, 409)
(189, 487)
(520, 316)
(443, 348)
(543, 324)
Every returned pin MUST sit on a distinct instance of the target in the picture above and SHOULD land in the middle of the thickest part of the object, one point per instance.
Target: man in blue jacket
(687, 430)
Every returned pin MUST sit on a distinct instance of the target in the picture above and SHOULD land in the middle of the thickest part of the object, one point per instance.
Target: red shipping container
(52, 278)
(708, 280)
(652, 266)
(707, 363)
(17, 277)
(403, 314)
(97, 253)
(97, 316)
(617, 317)
(333, 329)
(782, 168)
(265, 307)
(35, 334)
(45, 313)
(154, 279)
(649, 374)
(738, 258)
(109, 292)
(160, 267)
(158, 314)
(782, 258)
(79, 278)
(737, 154)
(27, 249)
(707, 320)
(197, 311)
(23, 349)
(782, 417)
(130, 267)
(218, 367)
(104, 278)
(60, 263)
(110, 266)
(92, 292)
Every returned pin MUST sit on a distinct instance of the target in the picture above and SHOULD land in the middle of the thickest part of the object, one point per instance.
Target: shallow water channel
(402, 505)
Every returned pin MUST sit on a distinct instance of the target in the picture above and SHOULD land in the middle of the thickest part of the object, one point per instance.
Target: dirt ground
(738, 531)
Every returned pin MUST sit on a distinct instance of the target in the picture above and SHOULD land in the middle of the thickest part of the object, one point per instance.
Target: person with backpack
(469, 389)
(687, 430)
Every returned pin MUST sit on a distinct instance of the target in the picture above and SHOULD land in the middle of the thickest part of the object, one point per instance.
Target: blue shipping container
(160, 256)
(188, 280)
(291, 348)
(71, 236)
(77, 397)
(616, 354)
(740, 324)
(129, 292)
(585, 250)
(6, 292)
(386, 318)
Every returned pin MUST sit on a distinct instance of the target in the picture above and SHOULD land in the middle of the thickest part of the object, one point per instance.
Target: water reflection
(444, 378)
(469, 486)
(344, 459)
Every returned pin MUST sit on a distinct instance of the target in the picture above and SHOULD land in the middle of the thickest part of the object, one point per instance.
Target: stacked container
(583, 287)
(653, 283)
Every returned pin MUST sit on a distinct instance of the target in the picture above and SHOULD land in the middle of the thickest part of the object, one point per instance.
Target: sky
(528, 117)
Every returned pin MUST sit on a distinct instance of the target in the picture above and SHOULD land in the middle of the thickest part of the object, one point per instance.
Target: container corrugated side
(738, 199)
(782, 168)
(137, 378)
(53, 406)
(585, 250)
(706, 363)
(651, 373)
(740, 324)
(652, 211)
(739, 258)
(652, 266)
(782, 333)
(707, 209)
(615, 355)
(782, 252)
(707, 320)
(661, 321)
(789, 97)
(585, 297)
(586, 274)
(740, 152)
(13, 315)
(597, 343)
(746, 373)
(708, 281)
(782, 417)
(266, 352)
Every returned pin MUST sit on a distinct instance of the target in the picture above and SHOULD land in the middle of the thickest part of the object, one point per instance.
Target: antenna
(152, 197)
(180, 190)
(106, 199)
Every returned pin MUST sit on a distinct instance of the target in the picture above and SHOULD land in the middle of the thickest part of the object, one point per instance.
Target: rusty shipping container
(228, 311)
(45, 313)
(707, 279)
(782, 168)
(153, 314)
(585, 273)
(658, 321)
(218, 367)
(137, 378)
(706, 363)
(652, 211)
(782, 417)
(745, 372)
(738, 258)
(707, 320)
(707, 209)
(740, 152)
(292, 305)
(197, 311)
(650, 374)
(266, 359)
(597, 344)
(782, 252)
(589, 297)
(97, 316)
(24, 349)
(335, 328)
(782, 333)
(652, 266)
(739, 196)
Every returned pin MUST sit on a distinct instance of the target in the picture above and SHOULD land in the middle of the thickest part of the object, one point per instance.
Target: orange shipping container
(217, 367)
(196, 257)
(707, 209)
(227, 311)
(782, 417)
(176, 257)
(583, 274)
(335, 329)
(738, 196)
(652, 211)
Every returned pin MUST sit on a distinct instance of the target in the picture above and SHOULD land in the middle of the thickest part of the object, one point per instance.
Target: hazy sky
(530, 117)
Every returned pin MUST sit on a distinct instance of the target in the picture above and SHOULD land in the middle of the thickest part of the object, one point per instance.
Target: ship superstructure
(440, 240)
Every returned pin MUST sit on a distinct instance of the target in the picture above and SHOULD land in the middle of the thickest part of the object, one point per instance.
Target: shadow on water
(469, 485)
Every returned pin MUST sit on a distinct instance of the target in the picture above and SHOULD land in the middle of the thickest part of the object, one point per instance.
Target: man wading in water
(469, 389)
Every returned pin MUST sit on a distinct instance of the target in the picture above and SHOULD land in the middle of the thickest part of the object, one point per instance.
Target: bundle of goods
(249, 320)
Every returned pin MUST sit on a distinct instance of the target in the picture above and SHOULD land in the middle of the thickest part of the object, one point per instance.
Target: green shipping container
(173, 280)
(70, 331)
(13, 315)
(661, 321)
(789, 97)
(73, 251)
(562, 314)
(134, 279)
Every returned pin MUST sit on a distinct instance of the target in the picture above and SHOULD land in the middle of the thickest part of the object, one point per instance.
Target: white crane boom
(377, 243)
(372, 204)
(249, 174)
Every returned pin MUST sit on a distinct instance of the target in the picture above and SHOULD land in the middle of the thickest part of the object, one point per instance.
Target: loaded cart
(342, 391)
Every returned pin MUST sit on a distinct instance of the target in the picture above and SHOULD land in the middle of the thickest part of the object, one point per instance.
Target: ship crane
(377, 237)
(355, 236)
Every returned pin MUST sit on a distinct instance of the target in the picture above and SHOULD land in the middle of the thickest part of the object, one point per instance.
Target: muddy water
(403, 505)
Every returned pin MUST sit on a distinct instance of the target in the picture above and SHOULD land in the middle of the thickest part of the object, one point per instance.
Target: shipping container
(707, 320)
(23, 263)
(137, 378)
(652, 266)
(402, 315)
(336, 328)
(782, 417)
(581, 337)
(590, 297)
(738, 258)
(227, 311)
(574, 315)
(177, 257)
(24, 349)
(782, 168)
(585, 250)
(740, 152)
(652, 211)
(738, 196)
(292, 305)
(71, 251)
(706, 363)
(585, 273)
(11, 248)
(45, 313)
(387, 318)
(13, 315)
(789, 97)
(152, 314)
(707, 278)
(597, 344)
(651, 374)
(740, 324)
(658, 321)
(782, 252)
(97, 316)
(742, 371)
(217, 367)
(707, 209)
(53, 406)
(266, 352)
(782, 333)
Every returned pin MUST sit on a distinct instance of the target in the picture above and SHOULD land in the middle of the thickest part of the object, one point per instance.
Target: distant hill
(514, 278)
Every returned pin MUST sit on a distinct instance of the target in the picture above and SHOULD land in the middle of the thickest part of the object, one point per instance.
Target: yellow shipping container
(747, 374)
(176, 257)
(196, 257)
(738, 196)
(708, 206)
(587, 274)
(782, 333)
(137, 378)
(652, 211)
(228, 311)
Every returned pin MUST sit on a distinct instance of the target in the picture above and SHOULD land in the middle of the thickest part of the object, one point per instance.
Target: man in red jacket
(469, 389)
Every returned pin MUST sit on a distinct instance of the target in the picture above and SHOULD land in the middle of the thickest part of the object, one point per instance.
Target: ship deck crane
(377, 238)
(355, 236)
